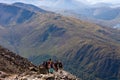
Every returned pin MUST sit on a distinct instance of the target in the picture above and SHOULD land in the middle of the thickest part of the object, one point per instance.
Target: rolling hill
(87, 50)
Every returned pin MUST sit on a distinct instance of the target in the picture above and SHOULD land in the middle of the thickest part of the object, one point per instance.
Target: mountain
(102, 4)
(105, 13)
(106, 16)
(63, 4)
(87, 50)
(12, 63)
(29, 7)
(101, 13)
(12, 17)
(13, 66)
(98, 11)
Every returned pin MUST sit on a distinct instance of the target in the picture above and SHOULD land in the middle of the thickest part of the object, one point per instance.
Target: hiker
(50, 66)
(43, 68)
(45, 64)
(56, 65)
(60, 65)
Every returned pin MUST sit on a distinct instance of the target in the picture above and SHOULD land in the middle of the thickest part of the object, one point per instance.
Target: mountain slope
(70, 38)
(83, 44)
(13, 63)
(103, 14)
(12, 15)
(13, 66)
(106, 13)
(29, 7)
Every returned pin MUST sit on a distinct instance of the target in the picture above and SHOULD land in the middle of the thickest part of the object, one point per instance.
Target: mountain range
(87, 50)
(107, 14)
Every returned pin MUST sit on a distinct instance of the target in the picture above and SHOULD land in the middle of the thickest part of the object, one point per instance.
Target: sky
(36, 2)
(106, 1)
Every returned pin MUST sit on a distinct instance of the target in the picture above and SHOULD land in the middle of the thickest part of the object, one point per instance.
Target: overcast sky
(37, 1)
(106, 1)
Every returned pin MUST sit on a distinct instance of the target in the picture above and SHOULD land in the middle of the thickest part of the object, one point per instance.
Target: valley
(88, 50)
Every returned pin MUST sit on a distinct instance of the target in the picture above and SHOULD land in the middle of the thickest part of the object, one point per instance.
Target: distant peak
(28, 7)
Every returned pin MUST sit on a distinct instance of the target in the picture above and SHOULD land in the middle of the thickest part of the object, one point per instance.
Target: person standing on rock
(60, 65)
(45, 64)
(50, 66)
(56, 65)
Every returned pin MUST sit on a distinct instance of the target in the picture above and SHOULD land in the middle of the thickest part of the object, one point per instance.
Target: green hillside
(90, 51)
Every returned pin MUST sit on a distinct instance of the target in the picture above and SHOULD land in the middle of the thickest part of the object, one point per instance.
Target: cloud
(99, 1)
(37, 2)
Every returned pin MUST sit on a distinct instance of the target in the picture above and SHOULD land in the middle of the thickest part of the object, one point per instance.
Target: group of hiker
(52, 66)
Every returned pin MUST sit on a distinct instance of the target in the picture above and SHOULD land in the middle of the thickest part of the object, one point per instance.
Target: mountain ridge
(83, 44)
(99, 13)
(29, 7)
(10, 17)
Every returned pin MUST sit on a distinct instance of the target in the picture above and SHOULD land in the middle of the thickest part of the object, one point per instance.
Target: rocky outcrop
(13, 63)
(60, 75)
(3, 75)
(15, 67)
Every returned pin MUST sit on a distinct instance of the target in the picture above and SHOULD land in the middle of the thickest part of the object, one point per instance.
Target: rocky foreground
(36, 76)
(15, 67)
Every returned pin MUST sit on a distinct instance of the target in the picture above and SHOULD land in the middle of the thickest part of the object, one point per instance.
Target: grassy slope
(74, 31)
(93, 50)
